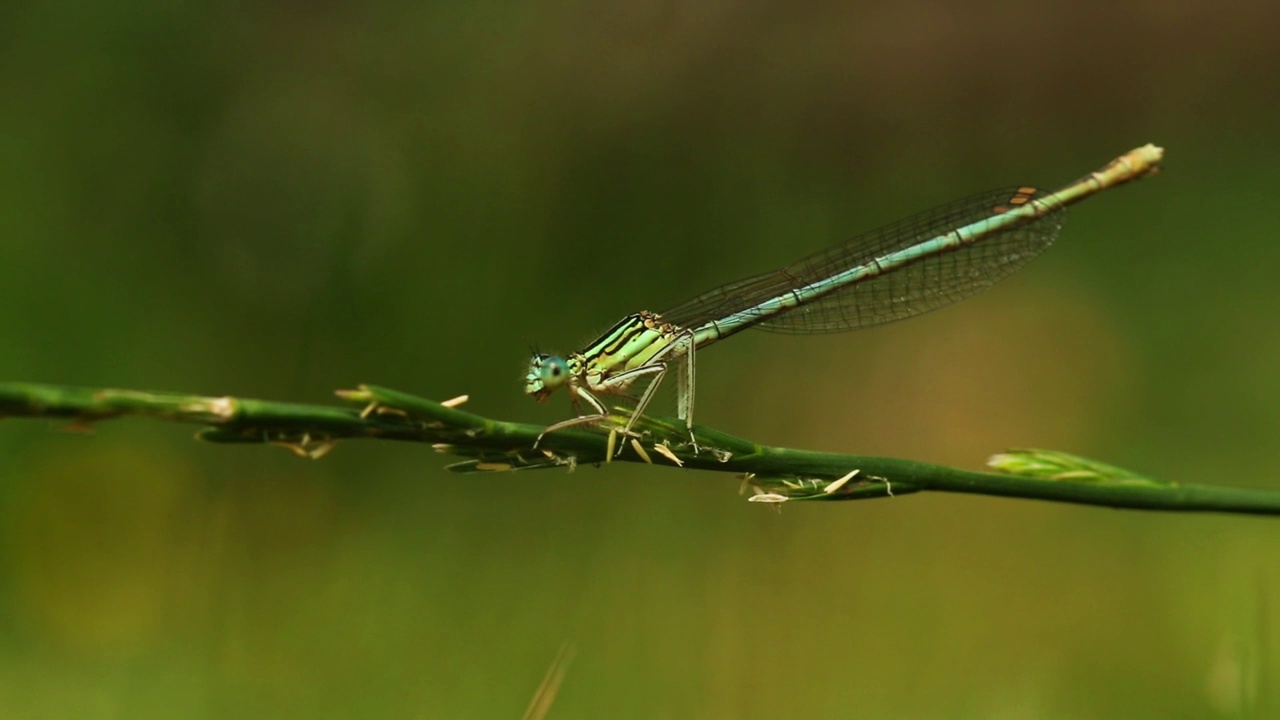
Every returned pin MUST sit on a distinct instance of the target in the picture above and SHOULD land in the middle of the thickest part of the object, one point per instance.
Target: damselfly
(900, 270)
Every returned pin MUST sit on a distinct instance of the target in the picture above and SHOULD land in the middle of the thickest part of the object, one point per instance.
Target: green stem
(776, 474)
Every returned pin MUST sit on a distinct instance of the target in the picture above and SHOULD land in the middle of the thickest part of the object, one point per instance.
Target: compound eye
(553, 371)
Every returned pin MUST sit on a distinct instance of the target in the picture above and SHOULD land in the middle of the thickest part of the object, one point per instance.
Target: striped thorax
(635, 342)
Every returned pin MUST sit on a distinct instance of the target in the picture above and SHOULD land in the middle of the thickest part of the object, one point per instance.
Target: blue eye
(547, 373)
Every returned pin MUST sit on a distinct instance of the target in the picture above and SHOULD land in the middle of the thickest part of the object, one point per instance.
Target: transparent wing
(925, 284)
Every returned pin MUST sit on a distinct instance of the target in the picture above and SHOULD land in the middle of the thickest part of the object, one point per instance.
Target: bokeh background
(282, 198)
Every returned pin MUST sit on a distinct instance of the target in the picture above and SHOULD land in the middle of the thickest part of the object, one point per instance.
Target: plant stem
(775, 474)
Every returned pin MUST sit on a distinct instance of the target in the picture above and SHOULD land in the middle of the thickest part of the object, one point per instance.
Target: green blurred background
(282, 198)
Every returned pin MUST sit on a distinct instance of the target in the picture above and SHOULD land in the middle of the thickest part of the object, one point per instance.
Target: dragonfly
(901, 270)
